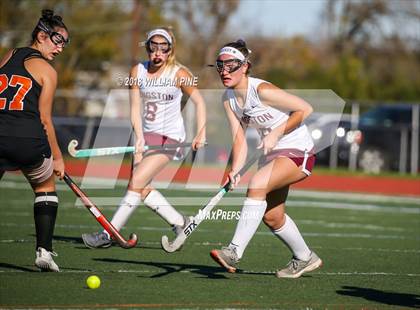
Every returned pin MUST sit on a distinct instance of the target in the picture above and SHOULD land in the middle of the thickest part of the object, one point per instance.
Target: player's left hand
(268, 143)
(199, 141)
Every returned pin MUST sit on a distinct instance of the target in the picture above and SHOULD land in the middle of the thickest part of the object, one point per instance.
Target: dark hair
(47, 23)
(241, 46)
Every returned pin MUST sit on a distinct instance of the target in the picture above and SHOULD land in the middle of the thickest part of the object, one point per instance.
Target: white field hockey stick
(172, 246)
(106, 151)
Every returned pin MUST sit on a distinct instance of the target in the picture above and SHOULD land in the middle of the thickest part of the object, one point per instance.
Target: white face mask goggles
(230, 65)
(163, 47)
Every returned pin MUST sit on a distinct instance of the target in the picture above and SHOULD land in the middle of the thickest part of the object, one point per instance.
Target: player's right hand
(139, 146)
(59, 168)
(139, 149)
(234, 179)
(199, 141)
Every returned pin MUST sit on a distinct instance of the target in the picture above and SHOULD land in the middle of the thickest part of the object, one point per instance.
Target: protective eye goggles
(230, 65)
(153, 47)
(55, 37)
(58, 39)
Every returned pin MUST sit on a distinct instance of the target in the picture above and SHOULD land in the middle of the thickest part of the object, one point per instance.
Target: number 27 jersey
(19, 96)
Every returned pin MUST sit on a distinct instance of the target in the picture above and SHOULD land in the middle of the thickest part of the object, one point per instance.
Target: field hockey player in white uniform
(287, 146)
(155, 97)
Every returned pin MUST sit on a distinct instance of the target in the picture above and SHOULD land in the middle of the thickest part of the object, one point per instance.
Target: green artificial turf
(371, 258)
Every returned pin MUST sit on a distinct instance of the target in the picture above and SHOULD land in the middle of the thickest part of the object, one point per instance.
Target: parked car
(382, 129)
(324, 128)
(327, 129)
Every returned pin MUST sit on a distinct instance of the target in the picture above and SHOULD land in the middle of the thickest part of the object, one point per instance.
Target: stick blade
(131, 243)
(173, 246)
(71, 148)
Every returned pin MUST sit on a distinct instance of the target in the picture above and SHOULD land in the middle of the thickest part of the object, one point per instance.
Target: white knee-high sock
(251, 216)
(128, 204)
(161, 206)
(290, 235)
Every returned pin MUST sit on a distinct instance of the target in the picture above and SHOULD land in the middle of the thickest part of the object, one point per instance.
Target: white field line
(361, 236)
(219, 244)
(365, 226)
(318, 223)
(238, 201)
(197, 202)
(410, 251)
(251, 272)
(368, 274)
(354, 196)
(262, 233)
(16, 214)
(356, 273)
(352, 206)
(18, 182)
(25, 185)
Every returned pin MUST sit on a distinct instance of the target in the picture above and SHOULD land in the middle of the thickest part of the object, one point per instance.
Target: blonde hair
(171, 58)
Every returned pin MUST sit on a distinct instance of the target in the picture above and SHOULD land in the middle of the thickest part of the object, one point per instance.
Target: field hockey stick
(106, 151)
(112, 231)
(172, 246)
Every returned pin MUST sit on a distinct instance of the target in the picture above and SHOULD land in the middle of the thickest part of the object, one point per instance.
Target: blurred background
(366, 52)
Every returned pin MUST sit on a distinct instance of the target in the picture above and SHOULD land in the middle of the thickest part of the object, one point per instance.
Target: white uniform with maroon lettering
(161, 100)
(265, 118)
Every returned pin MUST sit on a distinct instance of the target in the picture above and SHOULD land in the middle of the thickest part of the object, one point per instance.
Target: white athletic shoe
(296, 267)
(44, 260)
(226, 257)
(97, 240)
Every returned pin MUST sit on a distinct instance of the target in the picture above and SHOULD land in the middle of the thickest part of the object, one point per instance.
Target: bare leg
(277, 174)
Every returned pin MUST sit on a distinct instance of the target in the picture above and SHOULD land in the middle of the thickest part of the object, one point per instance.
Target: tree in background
(376, 44)
(95, 30)
(103, 34)
(203, 25)
(201, 31)
(364, 50)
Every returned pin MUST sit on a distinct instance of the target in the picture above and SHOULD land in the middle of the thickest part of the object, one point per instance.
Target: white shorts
(40, 173)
